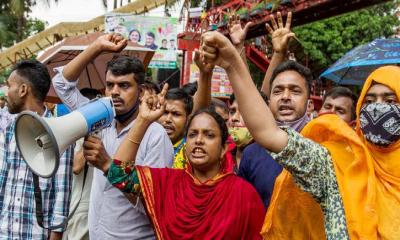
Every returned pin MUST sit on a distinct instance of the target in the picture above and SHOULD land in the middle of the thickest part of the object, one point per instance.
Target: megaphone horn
(41, 141)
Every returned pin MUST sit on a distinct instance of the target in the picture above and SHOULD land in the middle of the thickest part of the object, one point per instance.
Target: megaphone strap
(38, 201)
(39, 208)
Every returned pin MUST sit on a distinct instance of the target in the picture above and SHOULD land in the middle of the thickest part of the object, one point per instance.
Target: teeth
(197, 150)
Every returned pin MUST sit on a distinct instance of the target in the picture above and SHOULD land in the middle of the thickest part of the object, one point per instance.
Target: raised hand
(153, 106)
(280, 34)
(236, 32)
(111, 42)
(203, 66)
(217, 49)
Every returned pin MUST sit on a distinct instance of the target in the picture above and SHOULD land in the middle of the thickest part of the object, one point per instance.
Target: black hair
(297, 67)
(151, 85)
(164, 40)
(179, 94)
(215, 102)
(90, 93)
(151, 34)
(124, 65)
(172, 40)
(36, 74)
(343, 92)
(232, 97)
(190, 88)
(135, 30)
(220, 122)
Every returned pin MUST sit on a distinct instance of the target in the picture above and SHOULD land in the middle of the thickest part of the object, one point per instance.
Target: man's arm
(65, 81)
(255, 112)
(202, 97)
(311, 166)
(281, 36)
(79, 162)
(105, 43)
(55, 235)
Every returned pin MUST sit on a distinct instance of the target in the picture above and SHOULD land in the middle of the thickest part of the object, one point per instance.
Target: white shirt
(111, 215)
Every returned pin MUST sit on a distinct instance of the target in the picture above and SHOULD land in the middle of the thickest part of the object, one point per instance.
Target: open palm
(236, 32)
(280, 34)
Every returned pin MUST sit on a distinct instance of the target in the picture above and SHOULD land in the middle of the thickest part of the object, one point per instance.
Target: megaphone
(42, 141)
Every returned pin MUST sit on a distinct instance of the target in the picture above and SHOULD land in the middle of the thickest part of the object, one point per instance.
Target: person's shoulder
(156, 128)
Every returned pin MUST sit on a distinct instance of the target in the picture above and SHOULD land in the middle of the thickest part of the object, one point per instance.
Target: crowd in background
(180, 164)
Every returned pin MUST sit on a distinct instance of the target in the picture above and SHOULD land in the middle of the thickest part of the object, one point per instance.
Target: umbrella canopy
(356, 65)
(94, 74)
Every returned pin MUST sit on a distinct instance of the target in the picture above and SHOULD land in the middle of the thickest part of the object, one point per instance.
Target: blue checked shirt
(17, 199)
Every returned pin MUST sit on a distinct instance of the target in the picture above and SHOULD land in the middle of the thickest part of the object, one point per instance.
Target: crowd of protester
(180, 164)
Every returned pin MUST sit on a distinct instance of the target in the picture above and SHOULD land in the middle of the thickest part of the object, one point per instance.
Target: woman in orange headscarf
(367, 166)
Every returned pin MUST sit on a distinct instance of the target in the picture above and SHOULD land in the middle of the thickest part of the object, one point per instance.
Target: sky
(78, 10)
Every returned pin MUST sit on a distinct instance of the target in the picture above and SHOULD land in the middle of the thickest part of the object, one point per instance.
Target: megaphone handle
(96, 134)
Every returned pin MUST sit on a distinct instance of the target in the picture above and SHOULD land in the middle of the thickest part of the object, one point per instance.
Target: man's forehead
(110, 77)
(339, 99)
(175, 104)
(14, 77)
(289, 79)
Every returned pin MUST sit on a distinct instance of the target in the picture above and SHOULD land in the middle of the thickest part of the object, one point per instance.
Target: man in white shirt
(111, 214)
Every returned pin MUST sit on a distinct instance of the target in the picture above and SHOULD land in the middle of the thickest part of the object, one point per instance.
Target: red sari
(180, 207)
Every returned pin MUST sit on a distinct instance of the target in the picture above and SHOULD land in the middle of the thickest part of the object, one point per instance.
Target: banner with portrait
(157, 33)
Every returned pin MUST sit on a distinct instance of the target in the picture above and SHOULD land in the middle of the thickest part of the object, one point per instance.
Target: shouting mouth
(198, 152)
(285, 110)
(169, 129)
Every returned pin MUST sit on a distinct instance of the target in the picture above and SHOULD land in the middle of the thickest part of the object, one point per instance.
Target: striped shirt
(17, 199)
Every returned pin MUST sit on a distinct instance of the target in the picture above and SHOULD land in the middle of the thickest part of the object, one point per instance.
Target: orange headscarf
(354, 172)
(355, 176)
(368, 176)
(386, 161)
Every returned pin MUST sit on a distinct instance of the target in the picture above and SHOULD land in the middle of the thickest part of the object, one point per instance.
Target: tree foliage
(16, 25)
(326, 41)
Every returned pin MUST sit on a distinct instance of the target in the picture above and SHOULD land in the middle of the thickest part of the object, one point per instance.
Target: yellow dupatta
(292, 213)
(354, 172)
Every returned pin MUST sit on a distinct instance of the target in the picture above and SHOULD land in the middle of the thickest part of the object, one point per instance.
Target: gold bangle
(133, 141)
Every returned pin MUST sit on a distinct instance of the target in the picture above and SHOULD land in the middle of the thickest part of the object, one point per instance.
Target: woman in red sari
(205, 200)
